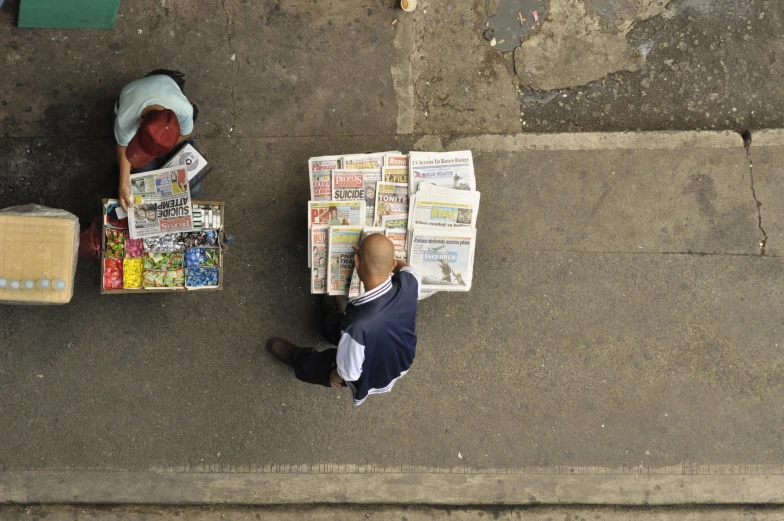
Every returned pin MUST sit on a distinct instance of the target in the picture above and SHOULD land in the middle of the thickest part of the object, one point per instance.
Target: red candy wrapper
(133, 247)
(113, 273)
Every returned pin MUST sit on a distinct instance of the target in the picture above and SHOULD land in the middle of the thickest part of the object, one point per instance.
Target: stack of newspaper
(426, 203)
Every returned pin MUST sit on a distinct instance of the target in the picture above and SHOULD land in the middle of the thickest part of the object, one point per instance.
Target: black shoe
(282, 349)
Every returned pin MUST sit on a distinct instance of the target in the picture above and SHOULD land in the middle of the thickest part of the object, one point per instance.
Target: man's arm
(399, 265)
(184, 138)
(125, 179)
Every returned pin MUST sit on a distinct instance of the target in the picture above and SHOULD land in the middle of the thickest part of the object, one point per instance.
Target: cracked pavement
(623, 316)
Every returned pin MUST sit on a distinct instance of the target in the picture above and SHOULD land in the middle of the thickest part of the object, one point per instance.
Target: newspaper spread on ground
(357, 288)
(443, 257)
(399, 239)
(394, 222)
(449, 169)
(318, 257)
(391, 199)
(444, 208)
(319, 169)
(426, 203)
(342, 239)
(162, 203)
(374, 161)
(336, 213)
(348, 185)
(351, 213)
(372, 177)
(395, 169)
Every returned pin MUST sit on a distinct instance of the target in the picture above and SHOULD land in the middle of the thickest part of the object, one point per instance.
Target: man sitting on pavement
(376, 336)
(153, 116)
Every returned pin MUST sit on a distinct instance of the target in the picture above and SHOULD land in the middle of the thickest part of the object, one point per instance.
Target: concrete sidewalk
(623, 322)
(623, 331)
(382, 513)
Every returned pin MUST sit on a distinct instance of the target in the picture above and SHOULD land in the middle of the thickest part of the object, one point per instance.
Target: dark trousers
(314, 367)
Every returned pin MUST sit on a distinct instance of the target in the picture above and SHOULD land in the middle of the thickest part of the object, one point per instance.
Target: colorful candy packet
(164, 279)
(201, 257)
(132, 273)
(161, 261)
(113, 273)
(201, 277)
(195, 239)
(165, 243)
(134, 247)
(115, 243)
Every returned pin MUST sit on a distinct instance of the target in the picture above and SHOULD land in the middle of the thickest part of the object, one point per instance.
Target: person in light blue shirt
(160, 90)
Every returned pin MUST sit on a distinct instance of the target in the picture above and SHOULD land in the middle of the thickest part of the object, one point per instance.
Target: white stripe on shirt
(351, 356)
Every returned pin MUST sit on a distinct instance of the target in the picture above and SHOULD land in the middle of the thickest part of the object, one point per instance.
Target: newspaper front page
(342, 239)
(395, 169)
(318, 256)
(444, 258)
(348, 185)
(391, 199)
(450, 169)
(336, 213)
(372, 161)
(357, 288)
(350, 213)
(398, 238)
(445, 210)
(320, 169)
(162, 203)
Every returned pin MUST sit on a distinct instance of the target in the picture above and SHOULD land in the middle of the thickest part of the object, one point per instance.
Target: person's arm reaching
(399, 265)
(184, 138)
(125, 179)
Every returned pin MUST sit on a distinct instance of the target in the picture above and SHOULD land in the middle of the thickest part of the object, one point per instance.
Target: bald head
(376, 259)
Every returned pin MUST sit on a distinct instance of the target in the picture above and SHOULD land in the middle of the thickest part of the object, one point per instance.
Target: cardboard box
(219, 287)
(34, 247)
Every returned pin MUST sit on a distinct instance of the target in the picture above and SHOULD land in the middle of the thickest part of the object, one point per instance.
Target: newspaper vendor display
(161, 203)
(426, 203)
(164, 262)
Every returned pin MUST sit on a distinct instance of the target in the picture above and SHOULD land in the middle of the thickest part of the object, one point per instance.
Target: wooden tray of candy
(220, 246)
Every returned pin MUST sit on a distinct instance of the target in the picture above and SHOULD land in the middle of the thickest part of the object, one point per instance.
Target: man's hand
(125, 196)
(334, 379)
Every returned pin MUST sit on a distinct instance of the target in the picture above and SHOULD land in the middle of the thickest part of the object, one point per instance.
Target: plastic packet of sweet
(134, 247)
(112, 273)
(115, 243)
(174, 278)
(195, 239)
(201, 277)
(165, 243)
(201, 257)
(162, 261)
(153, 279)
(132, 273)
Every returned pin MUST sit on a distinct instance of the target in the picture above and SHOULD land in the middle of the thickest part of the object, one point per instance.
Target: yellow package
(132, 273)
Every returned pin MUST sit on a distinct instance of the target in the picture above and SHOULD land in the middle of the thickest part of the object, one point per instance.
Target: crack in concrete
(746, 135)
(237, 73)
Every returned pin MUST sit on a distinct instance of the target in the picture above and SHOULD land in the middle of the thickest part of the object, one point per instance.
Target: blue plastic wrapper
(201, 277)
(201, 257)
(195, 239)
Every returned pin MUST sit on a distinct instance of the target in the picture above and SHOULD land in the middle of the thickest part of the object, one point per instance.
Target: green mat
(68, 14)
